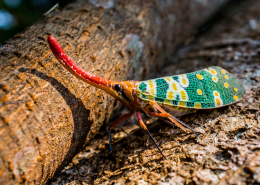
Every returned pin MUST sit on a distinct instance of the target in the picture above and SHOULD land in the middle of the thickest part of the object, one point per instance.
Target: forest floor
(228, 152)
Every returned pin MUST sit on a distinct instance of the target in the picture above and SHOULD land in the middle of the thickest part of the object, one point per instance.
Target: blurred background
(16, 15)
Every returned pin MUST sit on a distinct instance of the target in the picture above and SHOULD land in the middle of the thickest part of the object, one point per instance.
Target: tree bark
(226, 153)
(47, 115)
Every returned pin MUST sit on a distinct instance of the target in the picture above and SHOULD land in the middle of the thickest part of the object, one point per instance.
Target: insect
(166, 97)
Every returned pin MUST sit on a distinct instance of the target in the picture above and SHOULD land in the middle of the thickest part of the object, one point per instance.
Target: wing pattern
(208, 88)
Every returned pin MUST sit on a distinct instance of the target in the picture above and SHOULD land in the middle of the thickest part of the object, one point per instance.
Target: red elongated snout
(70, 65)
(122, 90)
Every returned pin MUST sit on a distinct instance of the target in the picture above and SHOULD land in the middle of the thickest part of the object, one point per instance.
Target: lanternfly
(166, 97)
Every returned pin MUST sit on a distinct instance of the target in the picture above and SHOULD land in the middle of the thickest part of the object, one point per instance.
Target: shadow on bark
(80, 114)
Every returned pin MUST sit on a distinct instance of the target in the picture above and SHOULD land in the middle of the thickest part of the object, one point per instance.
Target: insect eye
(118, 87)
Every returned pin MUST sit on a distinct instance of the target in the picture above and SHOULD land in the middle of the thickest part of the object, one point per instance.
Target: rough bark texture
(47, 115)
(227, 153)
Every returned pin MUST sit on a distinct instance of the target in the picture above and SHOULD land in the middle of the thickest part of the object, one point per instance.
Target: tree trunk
(47, 115)
(228, 152)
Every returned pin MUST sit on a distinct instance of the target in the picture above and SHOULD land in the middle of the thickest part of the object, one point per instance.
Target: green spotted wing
(208, 88)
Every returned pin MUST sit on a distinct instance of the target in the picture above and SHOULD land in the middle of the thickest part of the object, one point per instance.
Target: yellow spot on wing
(182, 104)
(215, 79)
(167, 102)
(212, 71)
(226, 85)
(235, 89)
(199, 76)
(174, 86)
(168, 79)
(150, 97)
(199, 91)
(152, 92)
(236, 97)
(184, 81)
(218, 101)
(151, 86)
(197, 105)
(216, 94)
(226, 76)
(170, 95)
(224, 72)
(183, 95)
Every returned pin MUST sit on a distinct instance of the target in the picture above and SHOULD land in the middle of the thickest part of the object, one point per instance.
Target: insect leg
(184, 124)
(166, 115)
(166, 120)
(113, 125)
(170, 117)
(145, 128)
